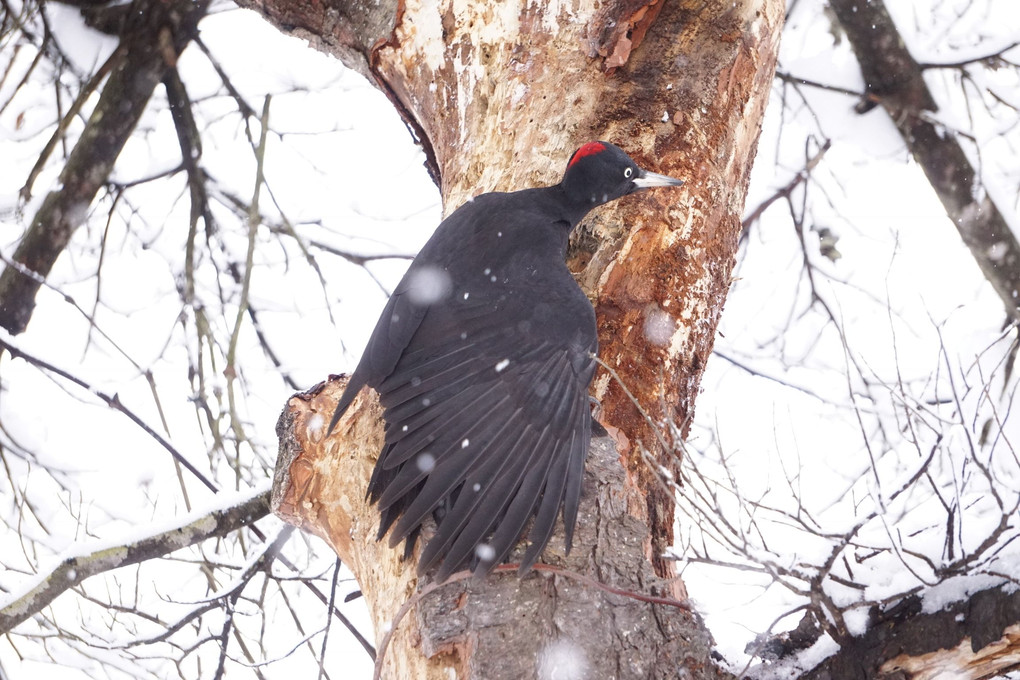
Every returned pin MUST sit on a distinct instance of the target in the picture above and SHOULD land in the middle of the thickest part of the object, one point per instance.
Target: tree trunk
(500, 94)
(600, 612)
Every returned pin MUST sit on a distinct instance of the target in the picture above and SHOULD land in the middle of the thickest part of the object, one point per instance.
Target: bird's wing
(490, 427)
(426, 284)
(393, 331)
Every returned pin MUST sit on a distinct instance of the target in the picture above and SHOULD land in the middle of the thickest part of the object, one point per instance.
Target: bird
(482, 359)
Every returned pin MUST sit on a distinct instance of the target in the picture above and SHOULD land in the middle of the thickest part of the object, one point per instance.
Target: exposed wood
(500, 94)
(973, 639)
(662, 270)
(962, 662)
(502, 627)
(504, 91)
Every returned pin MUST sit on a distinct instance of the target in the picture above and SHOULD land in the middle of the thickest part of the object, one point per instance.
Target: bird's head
(600, 172)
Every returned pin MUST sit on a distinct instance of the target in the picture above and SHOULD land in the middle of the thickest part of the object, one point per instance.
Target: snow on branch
(91, 559)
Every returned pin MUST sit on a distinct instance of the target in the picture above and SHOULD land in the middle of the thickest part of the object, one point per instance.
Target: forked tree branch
(896, 79)
(153, 37)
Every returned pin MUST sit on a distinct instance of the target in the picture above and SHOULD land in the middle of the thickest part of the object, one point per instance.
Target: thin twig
(114, 402)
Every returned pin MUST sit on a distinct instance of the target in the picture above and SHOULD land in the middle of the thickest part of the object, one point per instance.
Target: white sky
(914, 308)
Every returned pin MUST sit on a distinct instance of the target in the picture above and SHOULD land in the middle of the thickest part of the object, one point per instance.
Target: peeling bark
(500, 94)
(503, 92)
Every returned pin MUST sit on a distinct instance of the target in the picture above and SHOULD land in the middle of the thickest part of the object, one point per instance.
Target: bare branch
(894, 76)
(74, 569)
(114, 402)
(151, 36)
(786, 190)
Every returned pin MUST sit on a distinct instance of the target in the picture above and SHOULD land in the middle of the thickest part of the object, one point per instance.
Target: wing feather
(465, 470)
(449, 456)
(490, 380)
(577, 452)
(472, 537)
(553, 492)
(449, 422)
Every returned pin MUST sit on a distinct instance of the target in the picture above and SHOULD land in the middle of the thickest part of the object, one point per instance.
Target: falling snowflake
(315, 422)
(427, 285)
(426, 462)
(562, 660)
(658, 327)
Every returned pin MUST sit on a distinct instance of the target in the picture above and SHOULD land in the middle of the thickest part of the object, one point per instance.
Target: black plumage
(482, 359)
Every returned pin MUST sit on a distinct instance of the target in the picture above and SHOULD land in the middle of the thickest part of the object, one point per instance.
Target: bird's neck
(572, 207)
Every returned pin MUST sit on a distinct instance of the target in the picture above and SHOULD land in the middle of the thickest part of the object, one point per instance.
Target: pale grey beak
(647, 180)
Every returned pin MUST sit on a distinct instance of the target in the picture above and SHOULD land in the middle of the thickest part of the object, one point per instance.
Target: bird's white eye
(628, 172)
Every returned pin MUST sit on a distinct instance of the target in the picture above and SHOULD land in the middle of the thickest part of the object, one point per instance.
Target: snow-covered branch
(89, 560)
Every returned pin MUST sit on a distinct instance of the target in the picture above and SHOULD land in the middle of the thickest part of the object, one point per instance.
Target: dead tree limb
(153, 36)
(895, 79)
(976, 638)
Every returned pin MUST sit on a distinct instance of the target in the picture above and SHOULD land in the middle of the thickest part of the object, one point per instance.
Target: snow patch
(856, 620)
(953, 590)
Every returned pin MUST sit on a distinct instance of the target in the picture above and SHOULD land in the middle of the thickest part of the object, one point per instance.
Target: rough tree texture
(503, 92)
(503, 627)
(500, 94)
(895, 79)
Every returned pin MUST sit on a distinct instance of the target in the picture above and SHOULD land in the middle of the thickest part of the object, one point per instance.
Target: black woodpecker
(482, 359)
